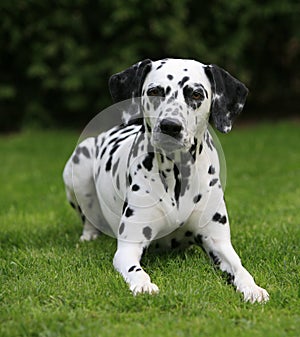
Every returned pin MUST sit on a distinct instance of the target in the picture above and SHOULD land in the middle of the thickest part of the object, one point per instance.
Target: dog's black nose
(170, 127)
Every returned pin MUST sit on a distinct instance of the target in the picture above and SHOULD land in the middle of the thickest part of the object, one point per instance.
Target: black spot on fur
(147, 231)
(121, 228)
(131, 269)
(124, 206)
(213, 182)
(188, 234)
(218, 218)
(193, 149)
(114, 149)
(75, 159)
(200, 148)
(209, 141)
(170, 77)
(102, 152)
(108, 164)
(115, 130)
(168, 90)
(211, 170)
(197, 198)
(214, 258)
(111, 152)
(185, 79)
(148, 161)
(199, 240)
(177, 183)
(223, 220)
(127, 130)
(85, 152)
(128, 212)
(135, 187)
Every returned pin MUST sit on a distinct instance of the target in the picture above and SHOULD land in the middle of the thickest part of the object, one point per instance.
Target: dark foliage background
(56, 56)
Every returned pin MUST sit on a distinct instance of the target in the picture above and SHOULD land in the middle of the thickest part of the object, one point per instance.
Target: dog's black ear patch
(228, 97)
(127, 85)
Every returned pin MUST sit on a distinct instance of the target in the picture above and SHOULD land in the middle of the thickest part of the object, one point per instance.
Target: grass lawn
(50, 285)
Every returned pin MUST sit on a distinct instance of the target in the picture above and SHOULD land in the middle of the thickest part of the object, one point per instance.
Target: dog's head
(177, 97)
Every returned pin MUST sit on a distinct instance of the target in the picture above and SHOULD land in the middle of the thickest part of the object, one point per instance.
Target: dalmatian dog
(154, 180)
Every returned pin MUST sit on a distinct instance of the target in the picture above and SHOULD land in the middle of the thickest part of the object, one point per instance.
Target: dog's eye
(154, 92)
(197, 95)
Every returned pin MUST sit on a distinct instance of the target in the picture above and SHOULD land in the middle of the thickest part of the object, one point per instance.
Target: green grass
(52, 286)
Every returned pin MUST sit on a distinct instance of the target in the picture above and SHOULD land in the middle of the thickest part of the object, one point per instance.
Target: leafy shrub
(56, 58)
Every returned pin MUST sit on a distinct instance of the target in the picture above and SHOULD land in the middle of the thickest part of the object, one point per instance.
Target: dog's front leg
(215, 239)
(141, 223)
(127, 262)
(222, 253)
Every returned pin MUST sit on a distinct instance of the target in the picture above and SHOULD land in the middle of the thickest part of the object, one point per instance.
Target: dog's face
(176, 99)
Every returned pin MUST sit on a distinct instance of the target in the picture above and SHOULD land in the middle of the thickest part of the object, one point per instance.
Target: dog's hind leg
(80, 189)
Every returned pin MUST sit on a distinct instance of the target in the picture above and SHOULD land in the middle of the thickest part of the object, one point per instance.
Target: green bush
(56, 58)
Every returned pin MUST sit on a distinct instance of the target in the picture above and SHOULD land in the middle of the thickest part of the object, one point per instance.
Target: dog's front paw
(145, 288)
(254, 294)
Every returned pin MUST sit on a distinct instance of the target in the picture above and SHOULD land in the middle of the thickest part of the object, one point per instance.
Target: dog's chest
(128, 167)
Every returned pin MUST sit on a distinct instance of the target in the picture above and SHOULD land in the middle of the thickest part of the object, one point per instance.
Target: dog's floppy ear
(126, 87)
(228, 97)
(128, 83)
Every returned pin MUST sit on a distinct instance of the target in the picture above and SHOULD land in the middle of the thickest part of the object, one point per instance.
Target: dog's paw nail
(255, 294)
(147, 288)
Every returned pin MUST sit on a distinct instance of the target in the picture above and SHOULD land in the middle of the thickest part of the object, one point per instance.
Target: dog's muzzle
(168, 135)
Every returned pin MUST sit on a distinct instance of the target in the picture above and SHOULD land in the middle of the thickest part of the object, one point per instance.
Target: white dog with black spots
(155, 179)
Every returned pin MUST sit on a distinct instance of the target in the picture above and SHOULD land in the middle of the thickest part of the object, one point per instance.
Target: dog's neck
(176, 169)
